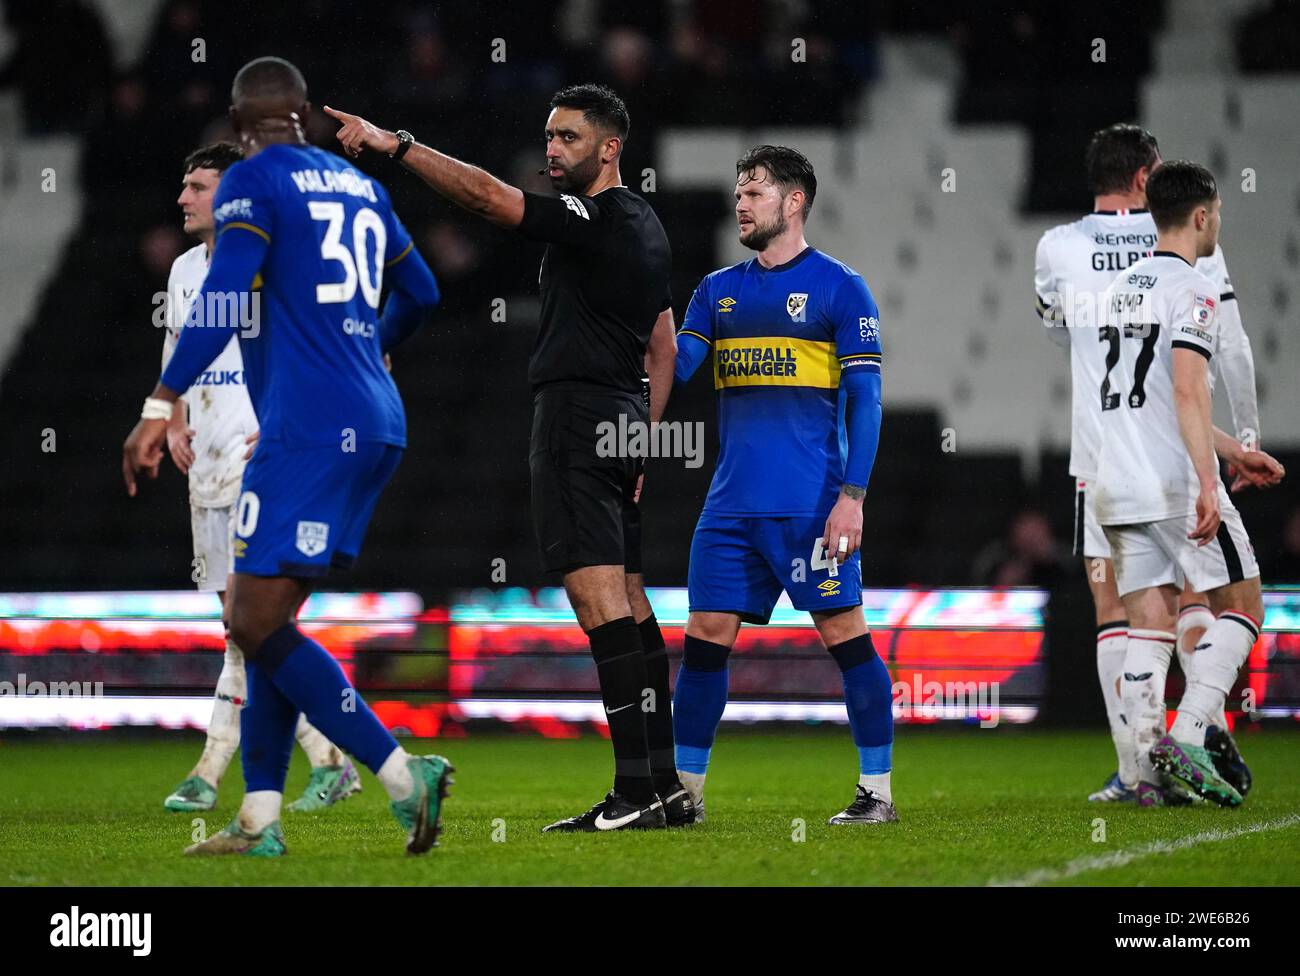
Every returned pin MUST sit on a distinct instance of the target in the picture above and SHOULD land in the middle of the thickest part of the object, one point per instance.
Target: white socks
(1224, 649)
(1112, 646)
(1193, 621)
(395, 777)
(320, 751)
(1145, 667)
(877, 783)
(259, 810)
(223, 728)
(694, 783)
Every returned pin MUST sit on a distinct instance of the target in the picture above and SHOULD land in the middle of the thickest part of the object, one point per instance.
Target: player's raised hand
(1258, 470)
(251, 440)
(142, 451)
(1207, 515)
(358, 134)
(180, 448)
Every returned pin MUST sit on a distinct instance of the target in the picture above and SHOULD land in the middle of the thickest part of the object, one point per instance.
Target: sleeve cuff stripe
(1228, 296)
(1180, 344)
(256, 230)
(862, 355)
(405, 251)
(689, 332)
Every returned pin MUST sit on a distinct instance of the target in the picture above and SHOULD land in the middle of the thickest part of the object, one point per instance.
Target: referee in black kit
(606, 322)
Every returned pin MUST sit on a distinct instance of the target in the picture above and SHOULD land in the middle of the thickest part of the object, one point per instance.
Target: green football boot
(327, 786)
(268, 842)
(420, 814)
(193, 795)
(1193, 767)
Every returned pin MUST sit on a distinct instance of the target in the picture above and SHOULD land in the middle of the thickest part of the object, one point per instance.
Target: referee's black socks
(616, 649)
(659, 711)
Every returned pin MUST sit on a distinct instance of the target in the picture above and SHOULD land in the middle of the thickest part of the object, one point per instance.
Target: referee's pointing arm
(478, 191)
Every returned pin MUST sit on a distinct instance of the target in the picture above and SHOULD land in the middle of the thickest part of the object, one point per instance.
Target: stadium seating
(966, 363)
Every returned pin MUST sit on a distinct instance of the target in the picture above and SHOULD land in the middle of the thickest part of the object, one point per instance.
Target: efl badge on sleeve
(1203, 310)
(312, 538)
(794, 304)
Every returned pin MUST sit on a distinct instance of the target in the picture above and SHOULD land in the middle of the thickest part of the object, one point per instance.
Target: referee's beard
(761, 235)
(579, 177)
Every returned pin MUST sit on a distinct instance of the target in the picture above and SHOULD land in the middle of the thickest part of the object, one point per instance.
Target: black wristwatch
(404, 140)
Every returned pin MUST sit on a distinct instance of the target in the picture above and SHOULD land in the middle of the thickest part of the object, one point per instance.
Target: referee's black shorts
(583, 508)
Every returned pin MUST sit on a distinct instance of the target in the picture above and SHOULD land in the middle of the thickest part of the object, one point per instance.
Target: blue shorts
(304, 511)
(741, 565)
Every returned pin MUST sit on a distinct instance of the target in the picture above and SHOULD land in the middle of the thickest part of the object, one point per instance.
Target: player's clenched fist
(843, 531)
(1257, 469)
(358, 134)
(143, 451)
(180, 446)
(1208, 516)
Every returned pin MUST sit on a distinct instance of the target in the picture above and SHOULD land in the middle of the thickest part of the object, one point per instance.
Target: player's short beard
(763, 234)
(578, 177)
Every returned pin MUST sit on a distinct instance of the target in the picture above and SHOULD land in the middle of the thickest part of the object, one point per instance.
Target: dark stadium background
(460, 499)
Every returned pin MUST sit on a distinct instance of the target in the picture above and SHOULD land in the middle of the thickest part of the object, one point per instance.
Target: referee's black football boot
(679, 808)
(1222, 748)
(615, 812)
(866, 807)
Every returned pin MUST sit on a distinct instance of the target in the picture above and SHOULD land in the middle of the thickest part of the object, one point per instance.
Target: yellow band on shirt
(405, 251)
(779, 361)
(256, 230)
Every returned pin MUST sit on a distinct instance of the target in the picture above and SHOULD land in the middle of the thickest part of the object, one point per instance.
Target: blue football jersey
(314, 367)
(780, 338)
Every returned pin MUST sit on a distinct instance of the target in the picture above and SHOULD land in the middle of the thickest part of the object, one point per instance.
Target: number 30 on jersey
(357, 267)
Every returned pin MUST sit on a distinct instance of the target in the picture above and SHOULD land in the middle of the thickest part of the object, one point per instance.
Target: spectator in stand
(61, 63)
(1029, 555)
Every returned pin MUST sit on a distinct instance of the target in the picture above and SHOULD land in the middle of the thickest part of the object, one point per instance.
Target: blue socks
(698, 702)
(701, 696)
(307, 676)
(266, 727)
(869, 698)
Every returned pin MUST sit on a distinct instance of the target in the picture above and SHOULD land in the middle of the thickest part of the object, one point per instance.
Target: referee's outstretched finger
(128, 474)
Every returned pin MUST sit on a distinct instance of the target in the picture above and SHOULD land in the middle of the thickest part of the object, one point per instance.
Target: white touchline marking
(1118, 859)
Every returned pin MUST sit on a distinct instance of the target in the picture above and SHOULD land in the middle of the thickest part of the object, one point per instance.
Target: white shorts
(1160, 554)
(1089, 539)
(214, 556)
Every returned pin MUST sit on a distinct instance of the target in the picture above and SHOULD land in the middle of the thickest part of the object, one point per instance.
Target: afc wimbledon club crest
(312, 538)
(794, 304)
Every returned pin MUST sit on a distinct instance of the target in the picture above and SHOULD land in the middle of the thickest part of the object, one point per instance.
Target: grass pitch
(977, 807)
